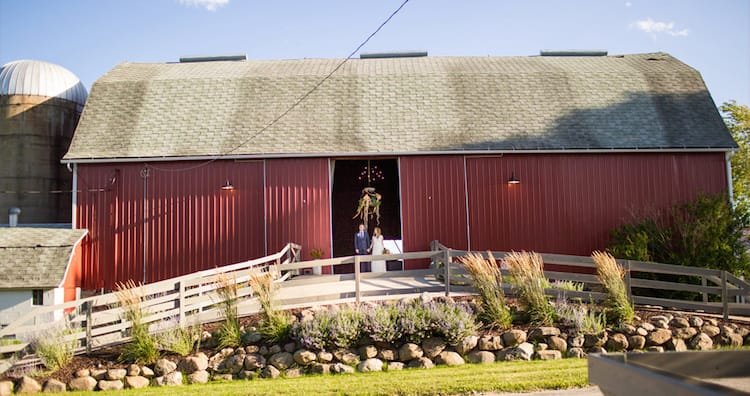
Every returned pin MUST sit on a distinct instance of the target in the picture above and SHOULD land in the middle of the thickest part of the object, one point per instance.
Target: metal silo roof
(30, 77)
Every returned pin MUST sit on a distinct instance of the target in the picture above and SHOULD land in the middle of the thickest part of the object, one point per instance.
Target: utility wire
(293, 106)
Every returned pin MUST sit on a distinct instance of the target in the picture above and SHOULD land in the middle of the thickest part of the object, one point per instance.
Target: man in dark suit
(362, 245)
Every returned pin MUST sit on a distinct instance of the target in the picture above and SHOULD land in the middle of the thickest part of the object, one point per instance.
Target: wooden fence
(192, 299)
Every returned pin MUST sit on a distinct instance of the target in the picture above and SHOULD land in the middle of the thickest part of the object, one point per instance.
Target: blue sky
(90, 37)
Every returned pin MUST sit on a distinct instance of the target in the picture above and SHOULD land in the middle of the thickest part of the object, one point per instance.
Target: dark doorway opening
(349, 178)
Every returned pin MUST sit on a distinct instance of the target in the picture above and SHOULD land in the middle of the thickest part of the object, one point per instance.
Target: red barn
(186, 166)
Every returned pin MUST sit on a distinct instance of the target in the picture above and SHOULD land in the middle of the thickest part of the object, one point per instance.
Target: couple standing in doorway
(364, 245)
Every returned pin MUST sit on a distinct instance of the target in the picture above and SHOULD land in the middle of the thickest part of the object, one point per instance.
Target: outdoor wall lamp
(513, 179)
(227, 186)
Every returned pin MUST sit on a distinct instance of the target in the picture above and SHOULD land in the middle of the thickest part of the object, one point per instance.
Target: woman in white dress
(377, 248)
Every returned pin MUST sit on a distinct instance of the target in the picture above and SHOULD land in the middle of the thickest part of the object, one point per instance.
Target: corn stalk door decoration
(368, 206)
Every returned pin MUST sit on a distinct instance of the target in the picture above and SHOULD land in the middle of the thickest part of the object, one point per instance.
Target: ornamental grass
(612, 277)
(275, 325)
(488, 280)
(143, 348)
(527, 277)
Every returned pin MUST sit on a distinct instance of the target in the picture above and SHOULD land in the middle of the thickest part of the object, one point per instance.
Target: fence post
(704, 284)
(181, 288)
(447, 263)
(356, 279)
(627, 281)
(88, 326)
(724, 297)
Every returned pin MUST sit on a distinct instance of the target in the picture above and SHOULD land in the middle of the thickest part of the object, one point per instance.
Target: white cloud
(211, 5)
(628, 4)
(653, 27)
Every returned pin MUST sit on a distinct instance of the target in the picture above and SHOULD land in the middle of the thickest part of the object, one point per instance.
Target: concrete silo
(40, 104)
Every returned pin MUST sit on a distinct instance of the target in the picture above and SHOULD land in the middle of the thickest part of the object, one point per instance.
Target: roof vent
(217, 58)
(396, 54)
(573, 53)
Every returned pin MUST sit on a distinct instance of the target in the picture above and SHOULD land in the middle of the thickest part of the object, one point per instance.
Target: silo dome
(37, 78)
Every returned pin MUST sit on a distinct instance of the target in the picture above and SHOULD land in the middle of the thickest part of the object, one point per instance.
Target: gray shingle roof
(35, 257)
(644, 101)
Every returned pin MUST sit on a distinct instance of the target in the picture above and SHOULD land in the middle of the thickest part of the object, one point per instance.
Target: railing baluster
(89, 305)
(447, 263)
(704, 283)
(181, 288)
(356, 279)
(724, 297)
(627, 281)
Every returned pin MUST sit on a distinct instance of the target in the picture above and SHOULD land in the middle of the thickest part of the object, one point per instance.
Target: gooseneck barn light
(227, 186)
(513, 179)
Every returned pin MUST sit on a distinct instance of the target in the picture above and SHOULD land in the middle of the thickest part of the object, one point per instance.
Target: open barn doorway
(350, 177)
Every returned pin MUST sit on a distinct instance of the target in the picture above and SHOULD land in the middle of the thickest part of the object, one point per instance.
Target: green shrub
(313, 333)
(345, 327)
(381, 323)
(54, 350)
(593, 322)
(453, 322)
(181, 340)
(612, 277)
(487, 279)
(229, 334)
(275, 325)
(143, 348)
(527, 278)
(414, 321)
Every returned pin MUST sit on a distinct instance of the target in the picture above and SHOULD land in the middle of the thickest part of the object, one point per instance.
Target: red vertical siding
(568, 203)
(190, 223)
(298, 209)
(433, 203)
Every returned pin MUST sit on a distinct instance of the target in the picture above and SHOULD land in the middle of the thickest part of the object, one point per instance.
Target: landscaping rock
(233, 364)
(648, 326)
(641, 331)
(320, 368)
(164, 367)
(254, 361)
(540, 333)
(596, 340)
(6, 388)
(191, 364)
(679, 323)
(675, 344)
(274, 349)
(514, 337)
(134, 370)
(369, 365)
(293, 372)
(325, 357)
(658, 349)
(449, 358)
(597, 349)
(409, 352)
(628, 329)
(684, 332)
(733, 340)
(251, 338)
(481, 357)
(198, 377)
(281, 360)
(136, 382)
(53, 386)
(490, 343)
(523, 351)
(540, 346)
(549, 354)
(27, 385)
(636, 342)
(658, 337)
(116, 374)
(710, 330)
(340, 368)
(290, 347)
(82, 384)
(252, 349)
(467, 344)
(433, 346)
(83, 373)
(367, 352)
(388, 354)
(223, 377)
(172, 379)
(701, 342)
(660, 321)
(263, 350)
(617, 342)
(147, 372)
(557, 343)
(711, 321)
(247, 375)
(395, 366)
(110, 385)
(576, 342)
(575, 353)
(422, 363)
(303, 357)
(695, 321)
(99, 374)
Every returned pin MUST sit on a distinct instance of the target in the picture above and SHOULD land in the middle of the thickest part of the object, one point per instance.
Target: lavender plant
(381, 323)
(414, 321)
(314, 333)
(345, 328)
(453, 322)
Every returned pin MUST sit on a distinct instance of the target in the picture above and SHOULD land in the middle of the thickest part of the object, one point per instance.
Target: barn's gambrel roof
(400, 105)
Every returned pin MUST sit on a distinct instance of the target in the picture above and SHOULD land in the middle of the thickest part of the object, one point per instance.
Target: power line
(294, 105)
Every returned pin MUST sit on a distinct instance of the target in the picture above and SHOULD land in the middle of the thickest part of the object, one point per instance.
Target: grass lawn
(501, 376)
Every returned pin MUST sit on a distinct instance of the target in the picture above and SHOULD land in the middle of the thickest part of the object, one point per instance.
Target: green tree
(737, 118)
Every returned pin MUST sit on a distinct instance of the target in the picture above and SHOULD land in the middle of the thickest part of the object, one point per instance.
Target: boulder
(660, 321)
(395, 366)
(422, 363)
(27, 385)
(576, 342)
(223, 377)
(695, 321)
(110, 385)
(98, 374)
(116, 374)
(164, 367)
(711, 321)
(540, 346)
(192, 364)
(340, 368)
(658, 337)
(281, 360)
(557, 343)
(6, 388)
(636, 342)
(303, 357)
(232, 364)
(647, 326)
(449, 358)
(617, 342)
(83, 373)
(467, 344)
(270, 372)
(293, 372)
(409, 352)
(388, 354)
(595, 340)
(514, 337)
(657, 349)
(252, 349)
(490, 343)
(369, 365)
(641, 331)
(701, 342)
(263, 350)
(433, 346)
(576, 353)
(597, 349)
(549, 354)
(172, 379)
(627, 329)
(679, 323)
(325, 357)
(684, 332)
(247, 375)
(82, 384)
(274, 349)
(733, 340)
(251, 338)
(540, 333)
(710, 330)
(675, 344)
(320, 368)
(481, 357)
(134, 370)
(254, 361)
(523, 351)
(147, 372)
(290, 347)
(53, 386)
(367, 352)
(198, 377)
(136, 382)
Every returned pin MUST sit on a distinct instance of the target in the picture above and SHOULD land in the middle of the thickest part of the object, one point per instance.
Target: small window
(37, 297)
